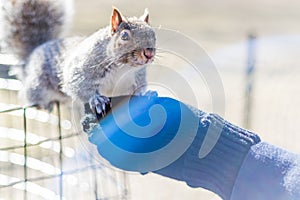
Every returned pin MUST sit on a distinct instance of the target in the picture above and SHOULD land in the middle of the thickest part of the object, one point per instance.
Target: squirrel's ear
(145, 16)
(116, 19)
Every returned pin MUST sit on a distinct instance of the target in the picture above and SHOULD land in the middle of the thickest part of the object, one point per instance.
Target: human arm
(268, 172)
(231, 155)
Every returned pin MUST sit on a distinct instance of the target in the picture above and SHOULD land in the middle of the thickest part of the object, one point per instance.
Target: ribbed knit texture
(218, 170)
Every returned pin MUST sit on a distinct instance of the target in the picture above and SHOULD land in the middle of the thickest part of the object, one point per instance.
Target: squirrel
(109, 62)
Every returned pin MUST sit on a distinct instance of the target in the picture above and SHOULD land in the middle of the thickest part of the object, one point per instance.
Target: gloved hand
(167, 137)
(145, 133)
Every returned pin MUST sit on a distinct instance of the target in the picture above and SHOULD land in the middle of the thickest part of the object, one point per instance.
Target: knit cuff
(217, 171)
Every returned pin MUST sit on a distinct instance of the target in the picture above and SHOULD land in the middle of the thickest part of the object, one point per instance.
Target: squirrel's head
(132, 39)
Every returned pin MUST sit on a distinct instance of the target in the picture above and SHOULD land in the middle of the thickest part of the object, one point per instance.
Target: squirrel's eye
(124, 35)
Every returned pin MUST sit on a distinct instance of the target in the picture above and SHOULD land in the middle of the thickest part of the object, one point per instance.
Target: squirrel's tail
(30, 23)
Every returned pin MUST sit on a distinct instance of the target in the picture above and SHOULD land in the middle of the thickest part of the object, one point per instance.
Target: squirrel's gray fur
(27, 24)
(110, 62)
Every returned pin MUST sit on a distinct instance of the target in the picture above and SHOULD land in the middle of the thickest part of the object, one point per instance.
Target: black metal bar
(17, 108)
(60, 152)
(249, 80)
(94, 170)
(126, 185)
(78, 170)
(25, 154)
(41, 142)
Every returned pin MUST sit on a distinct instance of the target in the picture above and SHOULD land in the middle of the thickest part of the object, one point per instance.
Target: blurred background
(260, 76)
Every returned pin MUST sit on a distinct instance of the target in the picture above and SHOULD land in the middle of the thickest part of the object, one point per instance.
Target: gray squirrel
(110, 62)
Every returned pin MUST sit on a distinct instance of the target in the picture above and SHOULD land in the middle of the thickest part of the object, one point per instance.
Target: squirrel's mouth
(139, 57)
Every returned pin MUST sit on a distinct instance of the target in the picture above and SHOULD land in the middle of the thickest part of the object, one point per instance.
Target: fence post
(25, 154)
(60, 153)
(249, 80)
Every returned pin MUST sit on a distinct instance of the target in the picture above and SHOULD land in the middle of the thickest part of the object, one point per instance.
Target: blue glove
(145, 134)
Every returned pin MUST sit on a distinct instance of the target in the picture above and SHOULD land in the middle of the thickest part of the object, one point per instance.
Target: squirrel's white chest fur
(121, 81)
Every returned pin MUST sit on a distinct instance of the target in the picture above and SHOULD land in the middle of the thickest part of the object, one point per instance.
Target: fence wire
(53, 163)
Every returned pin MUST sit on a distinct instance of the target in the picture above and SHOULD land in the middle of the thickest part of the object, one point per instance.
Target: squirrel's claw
(100, 105)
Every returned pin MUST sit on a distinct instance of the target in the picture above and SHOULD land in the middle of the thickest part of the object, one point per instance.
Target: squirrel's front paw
(100, 105)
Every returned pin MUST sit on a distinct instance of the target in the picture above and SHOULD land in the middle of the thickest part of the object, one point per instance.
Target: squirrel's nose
(149, 53)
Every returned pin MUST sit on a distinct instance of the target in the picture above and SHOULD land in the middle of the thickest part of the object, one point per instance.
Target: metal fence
(43, 157)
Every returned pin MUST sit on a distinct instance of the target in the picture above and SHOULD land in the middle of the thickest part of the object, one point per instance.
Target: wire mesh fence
(43, 157)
